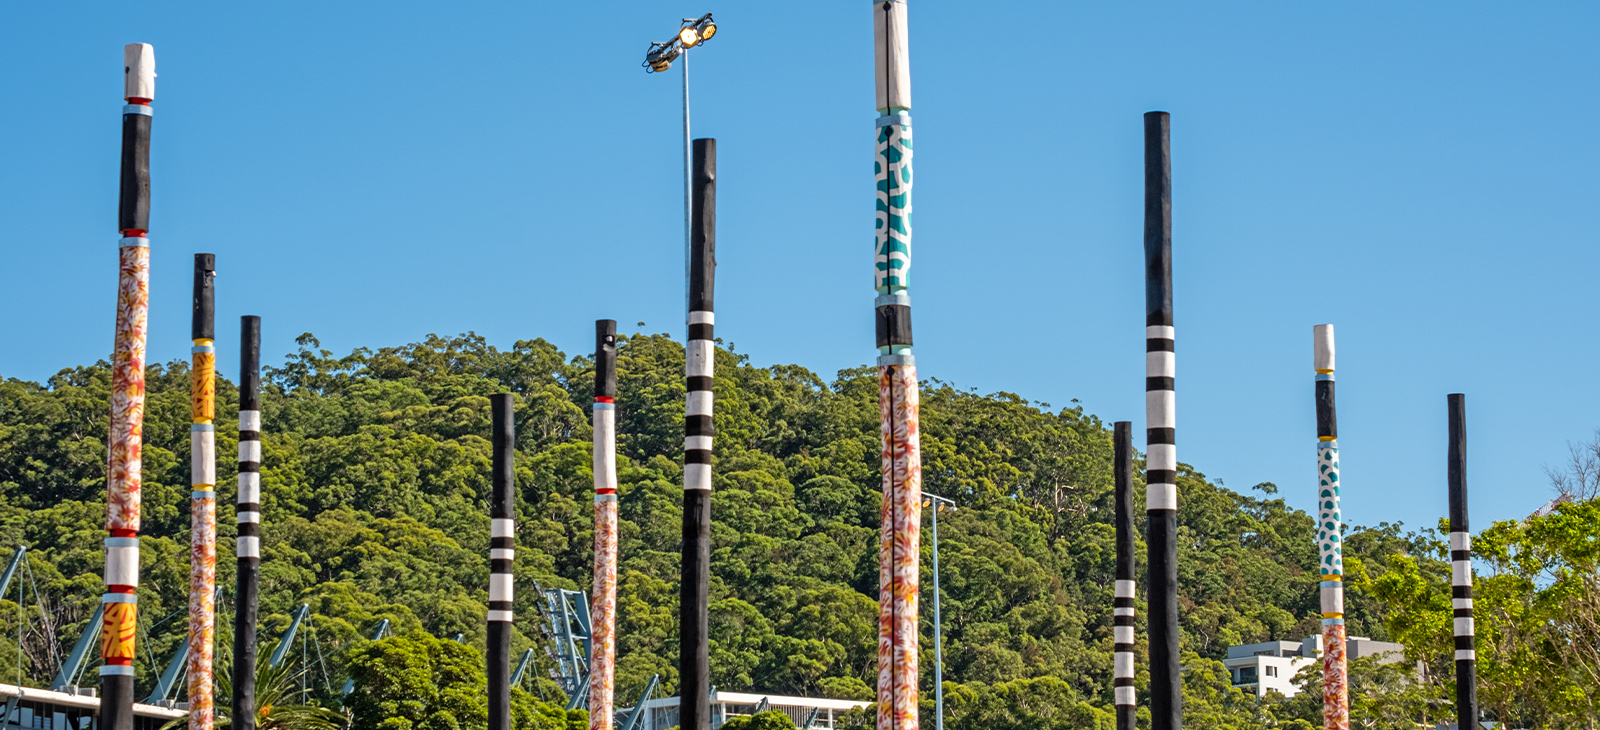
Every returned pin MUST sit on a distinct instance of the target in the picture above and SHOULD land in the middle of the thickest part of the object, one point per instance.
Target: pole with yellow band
(125, 443)
(203, 498)
(1330, 539)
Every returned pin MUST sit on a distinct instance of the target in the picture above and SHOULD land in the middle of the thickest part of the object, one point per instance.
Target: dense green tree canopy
(376, 473)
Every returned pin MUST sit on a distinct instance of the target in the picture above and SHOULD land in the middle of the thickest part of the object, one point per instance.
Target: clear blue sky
(1419, 174)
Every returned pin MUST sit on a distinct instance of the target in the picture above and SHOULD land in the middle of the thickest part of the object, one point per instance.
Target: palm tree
(275, 690)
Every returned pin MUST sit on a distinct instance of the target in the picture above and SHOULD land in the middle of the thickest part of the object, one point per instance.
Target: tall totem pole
(247, 513)
(126, 439)
(1124, 607)
(694, 675)
(502, 551)
(1461, 569)
(203, 498)
(603, 616)
(1160, 409)
(900, 541)
(1330, 538)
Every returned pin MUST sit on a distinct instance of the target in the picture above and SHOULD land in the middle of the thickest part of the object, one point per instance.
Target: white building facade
(1270, 666)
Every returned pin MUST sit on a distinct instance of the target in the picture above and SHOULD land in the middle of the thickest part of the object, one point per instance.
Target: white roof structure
(821, 713)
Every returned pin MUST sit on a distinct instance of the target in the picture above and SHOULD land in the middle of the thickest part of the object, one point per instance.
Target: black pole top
(1157, 219)
(249, 363)
(1458, 461)
(502, 441)
(605, 358)
(205, 272)
(1122, 472)
(703, 226)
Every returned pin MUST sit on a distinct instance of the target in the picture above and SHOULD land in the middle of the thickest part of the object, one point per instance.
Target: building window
(1272, 671)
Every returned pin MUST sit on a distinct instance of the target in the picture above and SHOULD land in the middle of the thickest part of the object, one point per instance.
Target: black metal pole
(247, 513)
(1161, 456)
(694, 675)
(502, 543)
(1461, 569)
(1124, 604)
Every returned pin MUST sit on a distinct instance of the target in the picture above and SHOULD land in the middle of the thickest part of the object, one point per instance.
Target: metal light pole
(936, 501)
(659, 57)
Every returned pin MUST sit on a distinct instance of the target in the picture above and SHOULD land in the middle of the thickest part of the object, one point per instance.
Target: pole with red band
(603, 609)
(126, 440)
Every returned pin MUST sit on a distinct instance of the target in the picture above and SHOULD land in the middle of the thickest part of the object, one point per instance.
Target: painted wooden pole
(1461, 569)
(502, 551)
(900, 539)
(247, 514)
(1124, 602)
(1330, 538)
(694, 675)
(1160, 408)
(203, 497)
(126, 440)
(603, 610)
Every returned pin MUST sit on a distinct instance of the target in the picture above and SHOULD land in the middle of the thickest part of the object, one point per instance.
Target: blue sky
(1418, 174)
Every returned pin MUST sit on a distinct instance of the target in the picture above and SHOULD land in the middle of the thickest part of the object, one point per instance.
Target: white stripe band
(250, 451)
(1161, 456)
(1465, 627)
(1460, 541)
(1160, 409)
(702, 317)
(1123, 611)
(1461, 572)
(502, 553)
(1122, 664)
(1159, 332)
(247, 547)
(1333, 600)
(1466, 654)
(500, 587)
(691, 443)
(249, 420)
(1161, 496)
(253, 518)
(500, 616)
(119, 598)
(1122, 635)
(122, 565)
(1125, 696)
(701, 358)
(249, 486)
(202, 457)
(116, 670)
(1461, 603)
(1125, 589)
(1160, 364)
(699, 403)
(598, 498)
(697, 477)
(502, 527)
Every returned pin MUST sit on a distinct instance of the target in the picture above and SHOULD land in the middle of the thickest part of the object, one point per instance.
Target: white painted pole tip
(1322, 337)
(139, 71)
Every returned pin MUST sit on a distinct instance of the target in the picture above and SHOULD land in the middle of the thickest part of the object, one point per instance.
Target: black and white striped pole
(1461, 569)
(694, 676)
(1124, 608)
(502, 550)
(1160, 401)
(603, 651)
(247, 513)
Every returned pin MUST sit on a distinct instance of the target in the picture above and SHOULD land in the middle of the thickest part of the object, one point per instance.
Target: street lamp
(937, 502)
(659, 57)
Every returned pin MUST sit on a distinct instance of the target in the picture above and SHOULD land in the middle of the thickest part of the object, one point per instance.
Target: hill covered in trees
(376, 474)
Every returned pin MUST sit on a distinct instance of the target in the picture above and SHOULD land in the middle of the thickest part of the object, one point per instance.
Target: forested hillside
(376, 472)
